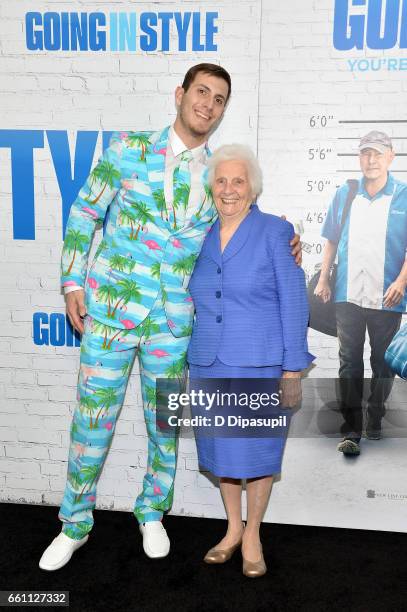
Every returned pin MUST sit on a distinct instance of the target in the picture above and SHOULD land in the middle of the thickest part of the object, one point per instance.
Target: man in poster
(370, 291)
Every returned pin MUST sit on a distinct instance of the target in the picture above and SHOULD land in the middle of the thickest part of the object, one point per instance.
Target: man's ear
(179, 93)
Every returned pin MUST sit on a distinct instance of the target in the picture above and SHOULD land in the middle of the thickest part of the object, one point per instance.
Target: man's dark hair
(211, 69)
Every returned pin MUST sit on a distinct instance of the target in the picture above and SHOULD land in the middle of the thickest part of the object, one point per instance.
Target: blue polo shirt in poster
(372, 245)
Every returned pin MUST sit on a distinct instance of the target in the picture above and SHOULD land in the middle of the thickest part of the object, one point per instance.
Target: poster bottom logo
(54, 330)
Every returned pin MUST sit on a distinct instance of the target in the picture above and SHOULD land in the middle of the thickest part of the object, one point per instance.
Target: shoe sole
(349, 452)
(255, 575)
(66, 560)
(152, 555)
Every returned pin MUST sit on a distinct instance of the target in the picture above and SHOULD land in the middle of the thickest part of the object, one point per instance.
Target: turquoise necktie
(181, 190)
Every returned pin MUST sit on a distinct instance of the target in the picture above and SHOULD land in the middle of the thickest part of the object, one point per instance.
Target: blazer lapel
(155, 161)
(241, 235)
(211, 245)
(205, 211)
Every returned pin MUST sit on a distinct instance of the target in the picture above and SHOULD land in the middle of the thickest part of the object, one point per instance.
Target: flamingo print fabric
(107, 354)
(148, 246)
(137, 303)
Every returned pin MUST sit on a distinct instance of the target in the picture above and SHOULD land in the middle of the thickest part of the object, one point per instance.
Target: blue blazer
(251, 306)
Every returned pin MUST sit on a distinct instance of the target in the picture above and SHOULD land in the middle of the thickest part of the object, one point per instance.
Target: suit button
(219, 319)
(219, 270)
(218, 294)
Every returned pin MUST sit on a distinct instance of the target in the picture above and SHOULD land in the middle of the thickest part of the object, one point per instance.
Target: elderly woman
(251, 322)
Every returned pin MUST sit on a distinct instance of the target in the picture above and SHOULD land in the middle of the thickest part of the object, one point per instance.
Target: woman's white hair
(242, 153)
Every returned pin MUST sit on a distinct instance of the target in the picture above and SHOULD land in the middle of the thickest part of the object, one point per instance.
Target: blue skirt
(243, 457)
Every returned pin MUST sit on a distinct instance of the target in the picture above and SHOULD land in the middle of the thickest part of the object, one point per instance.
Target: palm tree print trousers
(107, 354)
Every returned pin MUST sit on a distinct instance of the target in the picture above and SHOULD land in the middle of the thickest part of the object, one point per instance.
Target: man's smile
(202, 115)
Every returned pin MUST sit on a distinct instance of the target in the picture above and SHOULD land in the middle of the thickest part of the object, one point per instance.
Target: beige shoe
(217, 555)
(254, 569)
(221, 555)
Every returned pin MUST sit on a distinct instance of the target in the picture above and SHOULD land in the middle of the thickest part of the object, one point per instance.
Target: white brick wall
(74, 91)
(284, 70)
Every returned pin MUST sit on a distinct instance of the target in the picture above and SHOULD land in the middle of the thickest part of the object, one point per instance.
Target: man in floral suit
(134, 299)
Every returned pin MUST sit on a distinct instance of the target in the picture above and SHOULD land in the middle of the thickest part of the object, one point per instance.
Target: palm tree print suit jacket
(144, 250)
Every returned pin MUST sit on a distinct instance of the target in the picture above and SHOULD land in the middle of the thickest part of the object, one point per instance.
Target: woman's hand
(323, 290)
(290, 389)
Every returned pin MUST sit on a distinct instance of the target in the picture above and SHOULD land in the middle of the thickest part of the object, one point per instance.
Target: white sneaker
(60, 551)
(156, 543)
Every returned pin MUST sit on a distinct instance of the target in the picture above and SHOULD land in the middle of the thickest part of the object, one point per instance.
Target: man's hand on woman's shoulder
(295, 243)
